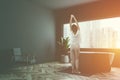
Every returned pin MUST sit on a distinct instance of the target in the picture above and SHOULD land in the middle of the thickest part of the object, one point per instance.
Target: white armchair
(24, 58)
(18, 56)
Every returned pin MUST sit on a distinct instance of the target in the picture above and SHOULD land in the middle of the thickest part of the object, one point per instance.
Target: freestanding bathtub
(95, 62)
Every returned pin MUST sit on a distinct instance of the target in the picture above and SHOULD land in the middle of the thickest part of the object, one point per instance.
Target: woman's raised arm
(76, 21)
(72, 17)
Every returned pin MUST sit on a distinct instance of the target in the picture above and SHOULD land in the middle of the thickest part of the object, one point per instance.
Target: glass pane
(103, 33)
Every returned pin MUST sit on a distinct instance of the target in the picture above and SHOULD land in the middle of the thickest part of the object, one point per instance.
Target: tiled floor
(53, 71)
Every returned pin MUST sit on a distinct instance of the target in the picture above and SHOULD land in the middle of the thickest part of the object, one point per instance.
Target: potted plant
(63, 46)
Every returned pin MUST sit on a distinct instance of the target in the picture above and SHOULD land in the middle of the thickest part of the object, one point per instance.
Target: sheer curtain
(104, 33)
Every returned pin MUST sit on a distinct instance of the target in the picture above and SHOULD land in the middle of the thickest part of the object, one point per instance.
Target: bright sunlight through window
(104, 33)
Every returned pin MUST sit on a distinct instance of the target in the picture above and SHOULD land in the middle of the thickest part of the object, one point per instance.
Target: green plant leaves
(64, 44)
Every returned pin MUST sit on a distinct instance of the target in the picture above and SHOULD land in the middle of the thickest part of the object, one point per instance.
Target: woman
(75, 47)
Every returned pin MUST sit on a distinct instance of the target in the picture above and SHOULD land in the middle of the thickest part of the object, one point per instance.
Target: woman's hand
(72, 15)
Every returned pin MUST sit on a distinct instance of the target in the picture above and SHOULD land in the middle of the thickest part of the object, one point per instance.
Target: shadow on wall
(5, 59)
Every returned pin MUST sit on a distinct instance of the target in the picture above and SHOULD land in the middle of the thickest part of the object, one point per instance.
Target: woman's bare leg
(72, 60)
(77, 61)
(73, 65)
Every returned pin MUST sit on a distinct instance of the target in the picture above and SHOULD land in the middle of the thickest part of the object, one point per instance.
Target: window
(104, 33)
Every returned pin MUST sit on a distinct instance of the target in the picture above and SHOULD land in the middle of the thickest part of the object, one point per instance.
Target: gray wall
(28, 26)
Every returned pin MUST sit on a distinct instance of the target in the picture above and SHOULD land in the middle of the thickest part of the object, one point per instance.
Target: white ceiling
(56, 4)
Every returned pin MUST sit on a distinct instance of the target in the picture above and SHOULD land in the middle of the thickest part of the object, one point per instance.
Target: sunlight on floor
(52, 71)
